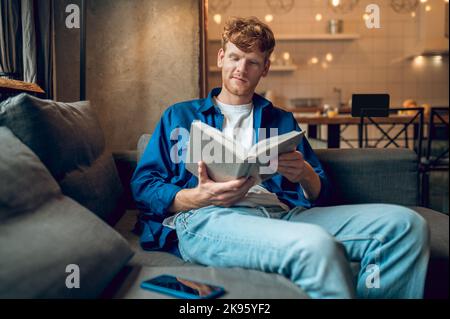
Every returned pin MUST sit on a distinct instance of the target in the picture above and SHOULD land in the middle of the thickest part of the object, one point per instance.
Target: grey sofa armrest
(125, 162)
(372, 175)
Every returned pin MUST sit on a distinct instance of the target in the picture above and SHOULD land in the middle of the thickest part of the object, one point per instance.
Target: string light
(437, 60)
(419, 60)
(217, 18)
(268, 18)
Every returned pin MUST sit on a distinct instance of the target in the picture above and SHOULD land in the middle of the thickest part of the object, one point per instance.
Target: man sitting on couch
(293, 233)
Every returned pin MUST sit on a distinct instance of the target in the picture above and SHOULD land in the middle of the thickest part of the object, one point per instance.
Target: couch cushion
(42, 232)
(16, 180)
(372, 175)
(436, 286)
(439, 226)
(68, 139)
(63, 135)
(143, 257)
(239, 283)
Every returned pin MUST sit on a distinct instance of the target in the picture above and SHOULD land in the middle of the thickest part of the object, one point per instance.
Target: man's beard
(238, 90)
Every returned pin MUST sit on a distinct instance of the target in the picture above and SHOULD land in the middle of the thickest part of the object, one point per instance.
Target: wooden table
(10, 87)
(334, 124)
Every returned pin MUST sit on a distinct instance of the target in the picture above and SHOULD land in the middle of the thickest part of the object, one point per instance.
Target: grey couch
(64, 202)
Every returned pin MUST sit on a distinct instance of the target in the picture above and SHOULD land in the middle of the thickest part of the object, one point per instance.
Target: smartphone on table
(182, 288)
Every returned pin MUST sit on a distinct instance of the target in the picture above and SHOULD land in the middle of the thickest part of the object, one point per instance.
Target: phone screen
(183, 286)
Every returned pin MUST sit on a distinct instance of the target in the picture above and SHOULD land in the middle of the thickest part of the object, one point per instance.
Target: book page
(276, 145)
(224, 159)
(268, 149)
(205, 132)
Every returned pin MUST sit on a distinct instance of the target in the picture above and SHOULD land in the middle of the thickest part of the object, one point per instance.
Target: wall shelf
(311, 37)
(273, 68)
(426, 54)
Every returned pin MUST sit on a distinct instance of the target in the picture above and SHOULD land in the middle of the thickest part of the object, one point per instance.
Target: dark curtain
(44, 44)
(10, 39)
(29, 41)
(26, 41)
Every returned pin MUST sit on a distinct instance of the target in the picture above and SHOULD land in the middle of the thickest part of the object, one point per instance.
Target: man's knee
(318, 243)
(408, 222)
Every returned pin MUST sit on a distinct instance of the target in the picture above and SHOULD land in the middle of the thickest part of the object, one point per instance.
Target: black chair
(387, 134)
(436, 156)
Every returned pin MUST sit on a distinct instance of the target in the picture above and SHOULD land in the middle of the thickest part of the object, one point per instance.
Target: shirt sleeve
(153, 184)
(305, 148)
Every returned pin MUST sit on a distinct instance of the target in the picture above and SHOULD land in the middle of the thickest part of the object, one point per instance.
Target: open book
(226, 159)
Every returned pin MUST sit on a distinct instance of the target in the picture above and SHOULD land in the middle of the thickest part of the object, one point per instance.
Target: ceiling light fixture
(218, 6)
(342, 6)
(404, 6)
(280, 6)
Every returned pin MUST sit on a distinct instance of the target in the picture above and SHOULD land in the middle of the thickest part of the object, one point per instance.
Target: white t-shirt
(238, 122)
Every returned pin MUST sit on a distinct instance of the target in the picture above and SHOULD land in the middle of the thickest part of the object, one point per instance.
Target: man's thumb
(202, 173)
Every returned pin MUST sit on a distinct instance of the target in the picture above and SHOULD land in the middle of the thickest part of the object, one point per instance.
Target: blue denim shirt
(157, 179)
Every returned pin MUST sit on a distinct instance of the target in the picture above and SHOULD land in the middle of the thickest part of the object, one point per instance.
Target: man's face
(241, 71)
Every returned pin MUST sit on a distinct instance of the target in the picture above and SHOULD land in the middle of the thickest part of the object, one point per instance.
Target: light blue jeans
(314, 247)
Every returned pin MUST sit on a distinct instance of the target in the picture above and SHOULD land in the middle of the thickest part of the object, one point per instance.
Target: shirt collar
(208, 103)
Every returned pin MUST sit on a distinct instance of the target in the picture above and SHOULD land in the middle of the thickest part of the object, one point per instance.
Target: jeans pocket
(182, 252)
(272, 212)
(183, 217)
(181, 226)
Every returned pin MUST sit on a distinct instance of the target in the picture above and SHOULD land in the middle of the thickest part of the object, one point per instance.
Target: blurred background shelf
(311, 37)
